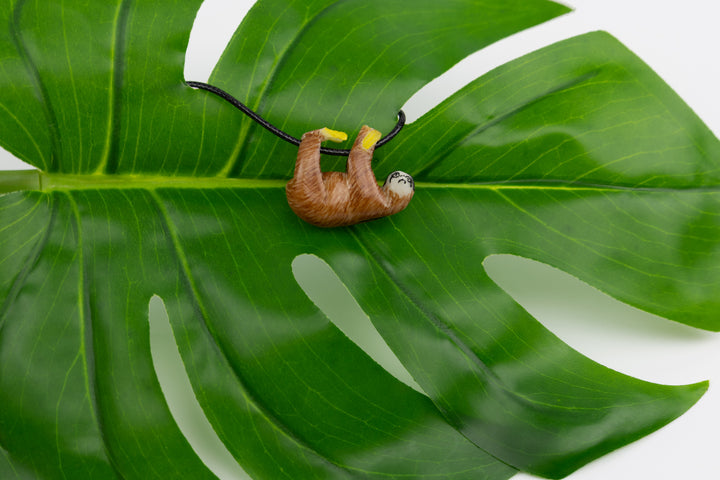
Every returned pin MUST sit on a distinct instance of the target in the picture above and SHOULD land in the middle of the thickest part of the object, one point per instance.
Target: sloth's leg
(307, 182)
(363, 185)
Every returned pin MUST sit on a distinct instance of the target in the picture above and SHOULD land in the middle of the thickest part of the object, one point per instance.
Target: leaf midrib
(35, 180)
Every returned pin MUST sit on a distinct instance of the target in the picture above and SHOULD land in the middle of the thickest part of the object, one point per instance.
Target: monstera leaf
(576, 155)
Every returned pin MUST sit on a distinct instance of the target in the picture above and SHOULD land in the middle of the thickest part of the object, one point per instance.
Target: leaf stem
(13, 181)
(16, 180)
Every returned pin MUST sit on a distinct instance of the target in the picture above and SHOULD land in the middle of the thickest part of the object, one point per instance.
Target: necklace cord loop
(286, 136)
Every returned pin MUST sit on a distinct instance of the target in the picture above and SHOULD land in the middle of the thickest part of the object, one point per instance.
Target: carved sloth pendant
(337, 199)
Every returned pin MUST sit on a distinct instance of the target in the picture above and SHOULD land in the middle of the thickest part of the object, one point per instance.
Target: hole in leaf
(322, 285)
(214, 25)
(610, 332)
(181, 400)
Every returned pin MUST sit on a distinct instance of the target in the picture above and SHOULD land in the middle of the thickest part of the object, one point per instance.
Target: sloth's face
(400, 183)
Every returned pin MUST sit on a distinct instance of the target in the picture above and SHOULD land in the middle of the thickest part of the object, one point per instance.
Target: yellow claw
(334, 135)
(371, 139)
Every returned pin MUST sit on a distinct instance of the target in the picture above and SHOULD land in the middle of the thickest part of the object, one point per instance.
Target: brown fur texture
(336, 199)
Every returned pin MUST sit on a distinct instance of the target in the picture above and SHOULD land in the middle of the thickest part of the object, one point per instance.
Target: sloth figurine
(337, 199)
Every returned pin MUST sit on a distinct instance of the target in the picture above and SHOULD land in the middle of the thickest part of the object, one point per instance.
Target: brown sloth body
(335, 199)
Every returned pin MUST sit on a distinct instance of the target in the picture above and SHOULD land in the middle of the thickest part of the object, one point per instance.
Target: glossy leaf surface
(576, 155)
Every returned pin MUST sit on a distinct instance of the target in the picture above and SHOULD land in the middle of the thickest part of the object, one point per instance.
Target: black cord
(285, 136)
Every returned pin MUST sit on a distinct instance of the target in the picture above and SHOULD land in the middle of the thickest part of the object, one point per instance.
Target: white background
(680, 41)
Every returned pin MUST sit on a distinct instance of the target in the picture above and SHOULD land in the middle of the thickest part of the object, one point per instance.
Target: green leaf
(576, 155)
